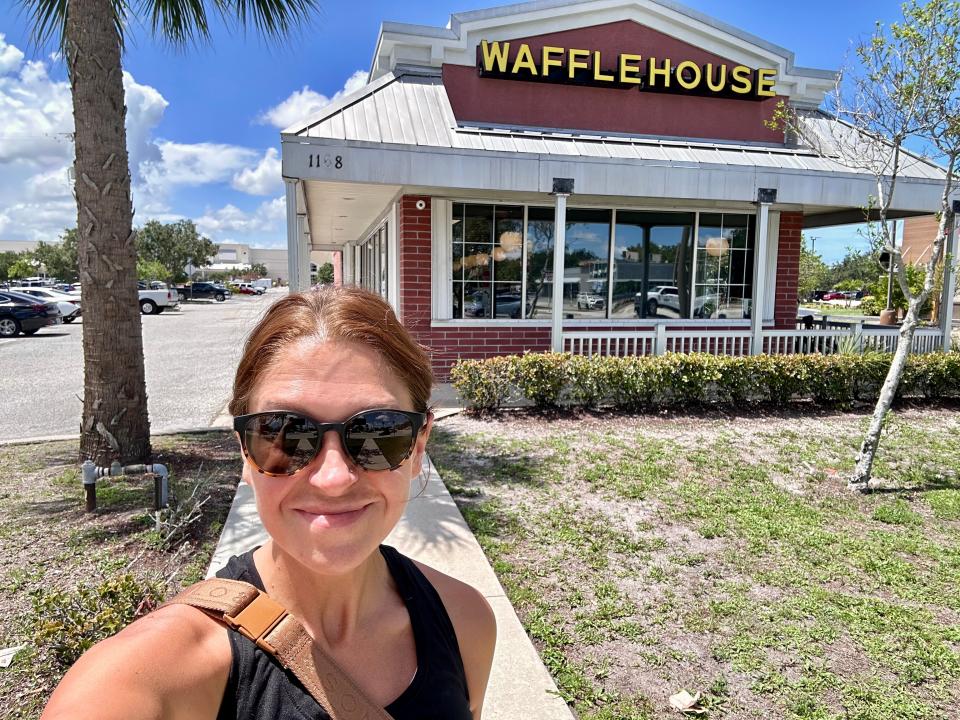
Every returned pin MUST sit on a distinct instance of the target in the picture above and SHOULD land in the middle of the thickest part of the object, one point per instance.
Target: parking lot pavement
(190, 357)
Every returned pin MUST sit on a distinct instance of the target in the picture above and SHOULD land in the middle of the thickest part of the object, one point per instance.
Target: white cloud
(264, 179)
(265, 225)
(10, 56)
(196, 163)
(303, 103)
(36, 150)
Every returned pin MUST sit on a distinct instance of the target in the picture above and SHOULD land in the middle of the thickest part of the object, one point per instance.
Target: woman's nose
(332, 470)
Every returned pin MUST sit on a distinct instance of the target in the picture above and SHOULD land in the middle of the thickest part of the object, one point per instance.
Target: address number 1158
(325, 160)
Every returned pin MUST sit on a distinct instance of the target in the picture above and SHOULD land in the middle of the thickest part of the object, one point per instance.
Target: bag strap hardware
(257, 619)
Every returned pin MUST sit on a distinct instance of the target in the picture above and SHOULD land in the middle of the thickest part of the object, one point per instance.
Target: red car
(835, 295)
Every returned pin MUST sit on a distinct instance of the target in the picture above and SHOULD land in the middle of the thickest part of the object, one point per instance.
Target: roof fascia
(454, 37)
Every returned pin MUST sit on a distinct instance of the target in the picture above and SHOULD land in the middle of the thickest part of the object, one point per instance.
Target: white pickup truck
(153, 302)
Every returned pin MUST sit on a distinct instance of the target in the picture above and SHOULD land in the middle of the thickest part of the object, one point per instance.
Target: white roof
(411, 108)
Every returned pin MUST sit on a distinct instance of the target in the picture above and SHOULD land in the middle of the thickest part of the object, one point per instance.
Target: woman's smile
(321, 518)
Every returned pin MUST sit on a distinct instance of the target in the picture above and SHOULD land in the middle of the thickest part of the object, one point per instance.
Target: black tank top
(258, 688)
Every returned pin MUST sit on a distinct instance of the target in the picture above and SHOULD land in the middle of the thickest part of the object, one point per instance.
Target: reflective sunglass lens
(379, 439)
(281, 443)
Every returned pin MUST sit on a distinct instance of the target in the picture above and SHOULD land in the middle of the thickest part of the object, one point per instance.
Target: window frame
(443, 279)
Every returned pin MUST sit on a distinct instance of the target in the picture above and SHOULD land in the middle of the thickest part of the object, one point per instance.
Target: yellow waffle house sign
(576, 66)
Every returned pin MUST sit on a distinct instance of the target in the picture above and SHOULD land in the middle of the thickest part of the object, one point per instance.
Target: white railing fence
(739, 342)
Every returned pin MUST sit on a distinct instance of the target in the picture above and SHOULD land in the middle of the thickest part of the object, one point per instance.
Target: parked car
(590, 301)
(154, 302)
(668, 296)
(834, 295)
(658, 296)
(69, 305)
(507, 305)
(25, 314)
(202, 291)
(246, 288)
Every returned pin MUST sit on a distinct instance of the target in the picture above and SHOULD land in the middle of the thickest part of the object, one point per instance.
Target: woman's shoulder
(171, 663)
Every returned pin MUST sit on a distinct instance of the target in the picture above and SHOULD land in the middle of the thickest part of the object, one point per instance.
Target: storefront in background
(583, 176)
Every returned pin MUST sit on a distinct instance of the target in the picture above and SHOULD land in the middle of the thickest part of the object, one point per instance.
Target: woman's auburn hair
(331, 314)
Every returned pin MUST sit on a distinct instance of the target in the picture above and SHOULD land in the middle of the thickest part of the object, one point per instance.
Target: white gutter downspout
(765, 198)
(562, 188)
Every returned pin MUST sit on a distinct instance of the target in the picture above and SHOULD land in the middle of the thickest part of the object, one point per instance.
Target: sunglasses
(282, 442)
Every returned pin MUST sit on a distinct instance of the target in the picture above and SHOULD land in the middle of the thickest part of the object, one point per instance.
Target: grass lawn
(830, 309)
(50, 545)
(723, 554)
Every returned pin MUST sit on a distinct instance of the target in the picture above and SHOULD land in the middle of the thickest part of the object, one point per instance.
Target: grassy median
(68, 577)
(723, 555)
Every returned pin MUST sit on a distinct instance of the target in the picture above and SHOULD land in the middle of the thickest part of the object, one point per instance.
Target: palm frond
(272, 18)
(182, 22)
(178, 22)
(49, 20)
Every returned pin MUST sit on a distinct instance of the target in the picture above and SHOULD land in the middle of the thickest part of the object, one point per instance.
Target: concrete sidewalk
(433, 531)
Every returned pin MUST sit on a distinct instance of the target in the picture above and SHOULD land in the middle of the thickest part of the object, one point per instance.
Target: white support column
(348, 255)
(559, 245)
(304, 235)
(765, 197)
(294, 247)
(950, 248)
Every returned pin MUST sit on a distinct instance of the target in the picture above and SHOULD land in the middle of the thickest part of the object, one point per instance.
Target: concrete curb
(193, 430)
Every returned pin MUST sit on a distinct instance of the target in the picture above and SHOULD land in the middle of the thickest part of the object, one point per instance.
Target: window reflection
(724, 282)
(585, 261)
(658, 269)
(652, 264)
(487, 261)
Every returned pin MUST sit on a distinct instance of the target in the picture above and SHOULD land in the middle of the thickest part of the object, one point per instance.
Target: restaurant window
(652, 260)
(487, 261)
(619, 264)
(724, 279)
(373, 256)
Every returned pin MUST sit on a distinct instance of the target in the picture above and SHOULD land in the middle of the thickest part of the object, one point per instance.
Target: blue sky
(205, 122)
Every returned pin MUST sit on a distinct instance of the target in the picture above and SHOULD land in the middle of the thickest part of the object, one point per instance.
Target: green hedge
(677, 380)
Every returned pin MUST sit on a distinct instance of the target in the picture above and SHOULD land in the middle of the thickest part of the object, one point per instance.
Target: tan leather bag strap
(255, 615)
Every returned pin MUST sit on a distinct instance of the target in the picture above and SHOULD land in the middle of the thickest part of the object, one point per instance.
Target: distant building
(18, 246)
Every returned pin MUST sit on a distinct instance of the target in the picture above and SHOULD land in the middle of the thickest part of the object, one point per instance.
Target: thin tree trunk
(860, 480)
(114, 425)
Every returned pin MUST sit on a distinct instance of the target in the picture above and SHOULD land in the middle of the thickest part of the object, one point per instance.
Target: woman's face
(331, 515)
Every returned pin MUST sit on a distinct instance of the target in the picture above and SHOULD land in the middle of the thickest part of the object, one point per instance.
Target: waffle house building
(594, 176)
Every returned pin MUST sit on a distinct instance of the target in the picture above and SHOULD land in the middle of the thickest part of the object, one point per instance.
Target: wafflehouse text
(578, 66)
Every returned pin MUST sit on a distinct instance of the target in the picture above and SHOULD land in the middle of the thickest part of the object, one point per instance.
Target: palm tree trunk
(115, 425)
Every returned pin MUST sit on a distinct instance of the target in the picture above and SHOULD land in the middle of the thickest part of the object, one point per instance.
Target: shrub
(483, 384)
(67, 623)
(678, 380)
(540, 377)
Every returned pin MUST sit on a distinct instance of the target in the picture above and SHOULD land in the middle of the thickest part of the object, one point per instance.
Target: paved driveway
(191, 356)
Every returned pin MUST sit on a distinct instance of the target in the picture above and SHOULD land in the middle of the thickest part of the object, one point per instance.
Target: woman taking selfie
(330, 404)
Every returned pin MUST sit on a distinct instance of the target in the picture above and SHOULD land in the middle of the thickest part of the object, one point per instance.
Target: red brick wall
(447, 345)
(788, 270)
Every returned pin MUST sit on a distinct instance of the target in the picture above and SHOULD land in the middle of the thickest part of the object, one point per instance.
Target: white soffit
(340, 213)
(400, 43)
